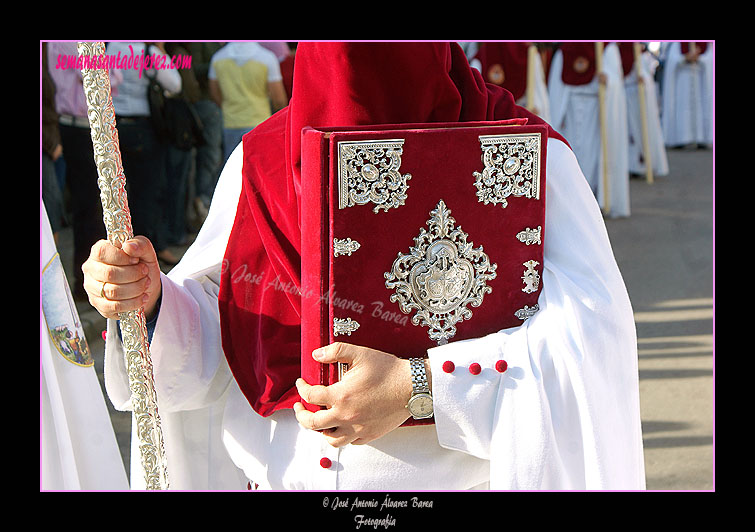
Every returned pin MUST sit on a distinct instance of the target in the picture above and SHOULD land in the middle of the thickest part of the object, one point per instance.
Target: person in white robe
(537, 87)
(636, 156)
(574, 111)
(564, 416)
(540, 97)
(687, 95)
(78, 448)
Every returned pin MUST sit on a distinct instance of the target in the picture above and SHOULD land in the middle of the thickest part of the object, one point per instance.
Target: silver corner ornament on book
(117, 219)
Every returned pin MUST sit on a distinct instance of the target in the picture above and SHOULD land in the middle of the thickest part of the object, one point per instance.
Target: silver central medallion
(440, 276)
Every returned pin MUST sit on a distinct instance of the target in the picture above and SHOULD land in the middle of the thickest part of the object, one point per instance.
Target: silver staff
(117, 218)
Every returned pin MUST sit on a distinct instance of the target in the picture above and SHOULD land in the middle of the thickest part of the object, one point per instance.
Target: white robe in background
(636, 157)
(565, 415)
(687, 97)
(575, 114)
(541, 104)
(78, 449)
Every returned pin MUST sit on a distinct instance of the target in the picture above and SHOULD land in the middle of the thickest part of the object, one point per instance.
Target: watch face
(421, 406)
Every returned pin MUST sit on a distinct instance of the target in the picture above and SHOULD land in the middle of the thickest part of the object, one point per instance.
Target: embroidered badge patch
(63, 323)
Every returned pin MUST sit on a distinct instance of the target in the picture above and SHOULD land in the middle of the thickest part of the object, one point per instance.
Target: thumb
(140, 247)
(335, 352)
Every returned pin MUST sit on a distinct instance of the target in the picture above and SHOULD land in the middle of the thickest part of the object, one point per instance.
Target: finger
(105, 252)
(314, 395)
(117, 292)
(107, 273)
(323, 421)
(140, 248)
(340, 437)
(113, 309)
(319, 421)
(336, 352)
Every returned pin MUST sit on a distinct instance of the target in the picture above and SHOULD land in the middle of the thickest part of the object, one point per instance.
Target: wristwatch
(421, 402)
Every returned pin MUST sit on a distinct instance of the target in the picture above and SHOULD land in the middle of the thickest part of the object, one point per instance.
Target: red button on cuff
(475, 368)
(448, 366)
(325, 463)
(501, 366)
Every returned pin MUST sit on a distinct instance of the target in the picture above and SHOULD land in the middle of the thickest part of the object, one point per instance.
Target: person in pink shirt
(80, 171)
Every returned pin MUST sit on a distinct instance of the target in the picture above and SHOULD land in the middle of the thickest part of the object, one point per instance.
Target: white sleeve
(565, 412)
(168, 77)
(273, 68)
(190, 370)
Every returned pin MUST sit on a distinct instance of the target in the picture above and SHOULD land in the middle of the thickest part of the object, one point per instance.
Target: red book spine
(315, 248)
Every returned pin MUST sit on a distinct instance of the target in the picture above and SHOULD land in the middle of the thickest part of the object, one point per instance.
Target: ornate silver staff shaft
(117, 218)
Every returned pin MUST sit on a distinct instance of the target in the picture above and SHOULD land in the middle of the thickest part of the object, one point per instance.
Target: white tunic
(687, 97)
(575, 114)
(565, 415)
(636, 157)
(541, 102)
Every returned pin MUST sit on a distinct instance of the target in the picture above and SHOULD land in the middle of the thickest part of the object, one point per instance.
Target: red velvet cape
(572, 52)
(335, 85)
(626, 51)
(508, 58)
(701, 47)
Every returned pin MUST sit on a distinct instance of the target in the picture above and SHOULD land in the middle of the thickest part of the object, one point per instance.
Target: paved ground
(665, 251)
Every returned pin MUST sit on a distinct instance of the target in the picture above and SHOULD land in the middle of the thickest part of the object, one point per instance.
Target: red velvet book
(418, 235)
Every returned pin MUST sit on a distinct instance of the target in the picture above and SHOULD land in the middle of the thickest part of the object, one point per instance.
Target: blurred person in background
(687, 94)
(574, 90)
(180, 158)
(208, 155)
(246, 82)
(143, 153)
(78, 153)
(52, 149)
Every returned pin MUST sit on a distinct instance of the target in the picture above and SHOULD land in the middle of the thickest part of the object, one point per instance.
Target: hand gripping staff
(117, 218)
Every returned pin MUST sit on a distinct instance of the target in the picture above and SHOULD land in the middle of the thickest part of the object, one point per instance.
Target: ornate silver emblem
(368, 171)
(529, 236)
(531, 278)
(512, 167)
(344, 246)
(527, 312)
(440, 276)
(344, 326)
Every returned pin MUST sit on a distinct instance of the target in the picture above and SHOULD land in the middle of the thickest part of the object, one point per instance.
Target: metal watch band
(419, 377)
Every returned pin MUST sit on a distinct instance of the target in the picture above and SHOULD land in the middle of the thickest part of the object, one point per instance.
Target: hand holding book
(367, 403)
